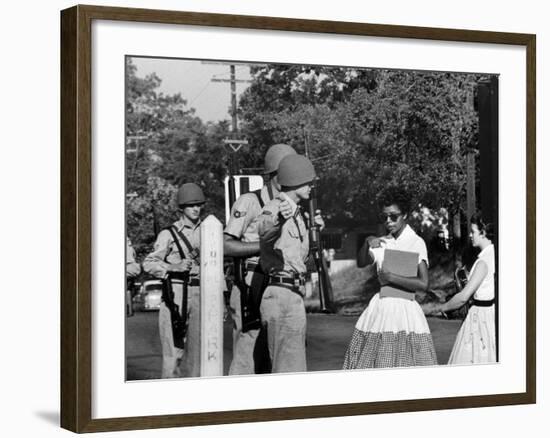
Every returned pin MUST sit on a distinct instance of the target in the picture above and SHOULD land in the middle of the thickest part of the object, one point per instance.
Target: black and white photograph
(357, 209)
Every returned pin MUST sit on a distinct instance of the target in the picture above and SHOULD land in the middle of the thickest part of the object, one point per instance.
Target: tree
(171, 146)
(369, 129)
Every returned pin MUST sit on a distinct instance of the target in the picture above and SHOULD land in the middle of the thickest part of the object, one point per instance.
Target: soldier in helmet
(176, 250)
(284, 249)
(133, 269)
(241, 239)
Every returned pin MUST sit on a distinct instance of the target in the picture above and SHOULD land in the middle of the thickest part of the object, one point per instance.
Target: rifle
(177, 318)
(250, 308)
(250, 302)
(316, 248)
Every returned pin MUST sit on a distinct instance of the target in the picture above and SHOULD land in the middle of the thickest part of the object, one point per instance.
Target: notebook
(403, 263)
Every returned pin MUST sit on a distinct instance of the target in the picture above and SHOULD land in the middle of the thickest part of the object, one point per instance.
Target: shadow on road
(327, 340)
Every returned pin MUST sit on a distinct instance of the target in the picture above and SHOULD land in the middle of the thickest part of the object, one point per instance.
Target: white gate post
(211, 277)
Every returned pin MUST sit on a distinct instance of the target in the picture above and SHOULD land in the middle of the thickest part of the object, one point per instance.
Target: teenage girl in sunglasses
(393, 331)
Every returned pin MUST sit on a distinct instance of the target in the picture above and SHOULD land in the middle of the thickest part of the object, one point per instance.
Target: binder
(404, 263)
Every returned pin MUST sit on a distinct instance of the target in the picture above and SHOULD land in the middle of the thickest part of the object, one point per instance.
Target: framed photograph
(268, 218)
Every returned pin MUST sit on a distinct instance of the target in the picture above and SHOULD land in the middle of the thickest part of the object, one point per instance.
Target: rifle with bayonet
(316, 248)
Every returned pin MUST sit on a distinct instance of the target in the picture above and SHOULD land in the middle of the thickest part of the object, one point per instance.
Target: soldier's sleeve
(270, 223)
(155, 263)
(132, 267)
(240, 217)
(130, 253)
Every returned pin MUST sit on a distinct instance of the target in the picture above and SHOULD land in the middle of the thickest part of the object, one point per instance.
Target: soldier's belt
(295, 281)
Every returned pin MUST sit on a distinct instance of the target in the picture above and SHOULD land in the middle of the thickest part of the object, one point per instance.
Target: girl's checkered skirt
(391, 332)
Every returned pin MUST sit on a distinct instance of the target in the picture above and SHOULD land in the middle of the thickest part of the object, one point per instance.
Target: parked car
(149, 296)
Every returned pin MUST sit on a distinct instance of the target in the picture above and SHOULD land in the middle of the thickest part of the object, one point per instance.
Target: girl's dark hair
(394, 195)
(486, 228)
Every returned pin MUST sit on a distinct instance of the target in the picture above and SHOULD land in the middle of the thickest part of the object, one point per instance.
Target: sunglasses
(393, 216)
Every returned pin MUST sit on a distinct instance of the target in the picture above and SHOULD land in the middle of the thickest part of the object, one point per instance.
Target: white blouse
(486, 290)
(408, 240)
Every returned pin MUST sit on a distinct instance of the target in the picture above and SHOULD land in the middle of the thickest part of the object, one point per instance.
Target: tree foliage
(169, 145)
(369, 129)
(366, 129)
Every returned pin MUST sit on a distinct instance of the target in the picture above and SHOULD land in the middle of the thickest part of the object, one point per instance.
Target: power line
(200, 92)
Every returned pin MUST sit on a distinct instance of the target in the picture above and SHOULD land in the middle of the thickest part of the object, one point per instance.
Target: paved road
(327, 341)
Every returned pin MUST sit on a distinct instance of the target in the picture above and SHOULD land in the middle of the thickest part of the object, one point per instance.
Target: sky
(192, 79)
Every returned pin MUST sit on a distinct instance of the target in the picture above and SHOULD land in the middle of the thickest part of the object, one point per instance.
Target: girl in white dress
(392, 331)
(476, 341)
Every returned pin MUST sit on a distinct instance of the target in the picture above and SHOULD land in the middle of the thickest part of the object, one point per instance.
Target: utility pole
(457, 232)
(472, 153)
(487, 92)
(235, 143)
(470, 185)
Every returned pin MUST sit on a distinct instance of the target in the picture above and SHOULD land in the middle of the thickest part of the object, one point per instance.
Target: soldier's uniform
(249, 354)
(177, 362)
(133, 268)
(284, 248)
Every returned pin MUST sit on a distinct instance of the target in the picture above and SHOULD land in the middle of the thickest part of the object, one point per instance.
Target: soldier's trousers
(283, 313)
(177, 362)
(250, 354)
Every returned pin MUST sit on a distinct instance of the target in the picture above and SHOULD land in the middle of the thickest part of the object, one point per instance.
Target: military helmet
(295, 171)
(274, 155)
(190, 193)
